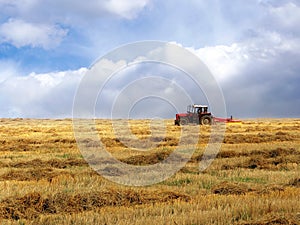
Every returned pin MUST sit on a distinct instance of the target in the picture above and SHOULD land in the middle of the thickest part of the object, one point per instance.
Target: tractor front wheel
(206, 120)
(183, 121)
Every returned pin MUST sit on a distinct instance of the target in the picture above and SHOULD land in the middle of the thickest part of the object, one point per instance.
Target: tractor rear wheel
(206, 120)
(183, 121)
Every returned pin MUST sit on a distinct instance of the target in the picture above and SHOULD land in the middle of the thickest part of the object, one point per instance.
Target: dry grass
(255, 178)
(32, 205)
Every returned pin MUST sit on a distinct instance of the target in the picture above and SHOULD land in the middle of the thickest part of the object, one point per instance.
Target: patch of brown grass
(272, 153)
(146, 159)
(271, 219)
(227, 188)
(273, 159)
(32, 174)
(38, 163)
(295, 182)
(34, 204)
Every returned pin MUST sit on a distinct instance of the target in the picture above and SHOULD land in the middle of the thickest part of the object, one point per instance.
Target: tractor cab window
(190, 109)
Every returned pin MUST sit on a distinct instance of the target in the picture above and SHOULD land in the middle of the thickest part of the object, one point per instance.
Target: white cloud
(223, 61)
(126, 9)
(21, 33)
(287, 15)
(8, 69)
(258, 75)
(40, 23)
(227, 61)
(40, 95)
(66, 10)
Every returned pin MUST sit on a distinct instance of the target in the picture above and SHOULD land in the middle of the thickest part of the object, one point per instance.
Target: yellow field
(255, 178)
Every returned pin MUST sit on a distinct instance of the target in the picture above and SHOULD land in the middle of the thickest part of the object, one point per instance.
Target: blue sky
(251, 47)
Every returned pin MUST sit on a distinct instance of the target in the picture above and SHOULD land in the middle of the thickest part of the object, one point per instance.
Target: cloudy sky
(251, 47)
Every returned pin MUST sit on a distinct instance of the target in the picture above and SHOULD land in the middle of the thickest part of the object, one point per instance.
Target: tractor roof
(198, 106)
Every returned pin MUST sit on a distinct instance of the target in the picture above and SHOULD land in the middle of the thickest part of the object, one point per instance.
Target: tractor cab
(197, 109)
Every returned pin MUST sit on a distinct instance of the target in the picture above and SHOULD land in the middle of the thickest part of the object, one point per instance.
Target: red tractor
(195, 114)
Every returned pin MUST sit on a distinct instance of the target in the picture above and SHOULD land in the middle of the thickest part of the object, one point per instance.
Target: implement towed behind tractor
(198, 114)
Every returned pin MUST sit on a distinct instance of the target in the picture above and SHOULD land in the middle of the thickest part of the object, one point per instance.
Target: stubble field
(255, 179)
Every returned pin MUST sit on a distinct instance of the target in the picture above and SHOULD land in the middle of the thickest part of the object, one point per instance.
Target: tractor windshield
(190, 109)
